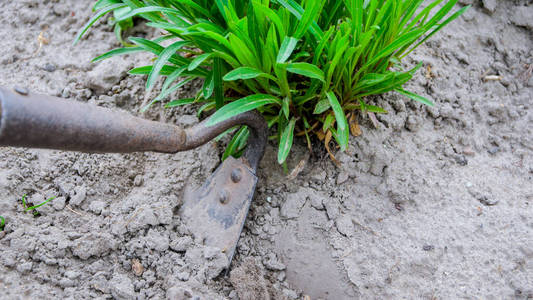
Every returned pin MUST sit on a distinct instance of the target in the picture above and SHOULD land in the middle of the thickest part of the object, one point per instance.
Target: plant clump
(305, 65)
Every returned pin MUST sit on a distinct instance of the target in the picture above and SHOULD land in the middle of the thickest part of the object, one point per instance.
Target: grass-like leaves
(304, 64)
(33, 208)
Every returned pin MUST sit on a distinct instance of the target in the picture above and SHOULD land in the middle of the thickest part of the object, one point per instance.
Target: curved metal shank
(201, 134)
(38, 121)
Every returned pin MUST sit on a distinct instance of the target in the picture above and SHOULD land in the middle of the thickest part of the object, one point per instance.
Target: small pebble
(428, 247)
(21, 90)
(487, 201)
(494, 150)
(49, 68)
(183, 276)
(138, 181)
(461, 160)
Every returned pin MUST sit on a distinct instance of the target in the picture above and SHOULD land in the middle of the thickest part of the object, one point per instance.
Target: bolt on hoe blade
(215, 212)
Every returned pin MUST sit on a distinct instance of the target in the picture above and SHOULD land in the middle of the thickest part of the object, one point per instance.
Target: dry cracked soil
(434, 203)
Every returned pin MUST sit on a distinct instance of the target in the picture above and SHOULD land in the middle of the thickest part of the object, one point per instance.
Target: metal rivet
(223, 197)
(236, 175)
(22, 91)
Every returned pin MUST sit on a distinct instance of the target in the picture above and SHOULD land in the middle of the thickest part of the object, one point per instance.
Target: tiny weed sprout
(2, 223)
(305, 65)
(33, 208)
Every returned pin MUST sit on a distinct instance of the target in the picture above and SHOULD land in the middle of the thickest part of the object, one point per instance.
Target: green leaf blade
(198, 61)
(95, 18)
(321, 106)
(243, 73)
(180, 102)
(342, 122)
(240, 106)
(306, 69)
(286, 49)
(286, 141)
(164, 57)
(116, 52)
(415, 97)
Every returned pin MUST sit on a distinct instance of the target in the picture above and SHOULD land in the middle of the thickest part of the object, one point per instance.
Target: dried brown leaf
(374, 120)
(298, 169)
(429, 74)
(328, 137)
(354, 125)
(320, 134)
(137, 267)
(302, 132)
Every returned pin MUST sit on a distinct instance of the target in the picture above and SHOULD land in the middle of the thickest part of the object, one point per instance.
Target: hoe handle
(38, 121)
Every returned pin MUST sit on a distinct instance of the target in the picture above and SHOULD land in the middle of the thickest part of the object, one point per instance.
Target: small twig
(78, 213)
(326, 144)
(347, 253)
(42, 41)
(161, 207)
(365, 228)
(492, 78)
(134, 215)
(389, 277)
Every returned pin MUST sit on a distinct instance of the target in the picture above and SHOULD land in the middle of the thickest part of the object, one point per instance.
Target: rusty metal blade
(215, 213)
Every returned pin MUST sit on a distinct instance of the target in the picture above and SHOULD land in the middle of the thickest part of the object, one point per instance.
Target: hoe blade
(216, 211)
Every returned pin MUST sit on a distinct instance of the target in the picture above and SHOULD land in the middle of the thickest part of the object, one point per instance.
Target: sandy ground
(436, 203)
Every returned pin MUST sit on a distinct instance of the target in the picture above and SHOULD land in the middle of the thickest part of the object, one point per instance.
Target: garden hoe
(215, 212)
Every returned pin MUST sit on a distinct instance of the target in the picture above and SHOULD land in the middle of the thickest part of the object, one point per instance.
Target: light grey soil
(436, 203)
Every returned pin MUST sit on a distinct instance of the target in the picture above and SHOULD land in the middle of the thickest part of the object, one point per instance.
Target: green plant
(304, 64)
(33, 208)
(2, 223)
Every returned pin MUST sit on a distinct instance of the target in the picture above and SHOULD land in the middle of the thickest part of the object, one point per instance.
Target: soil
(435, 203)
